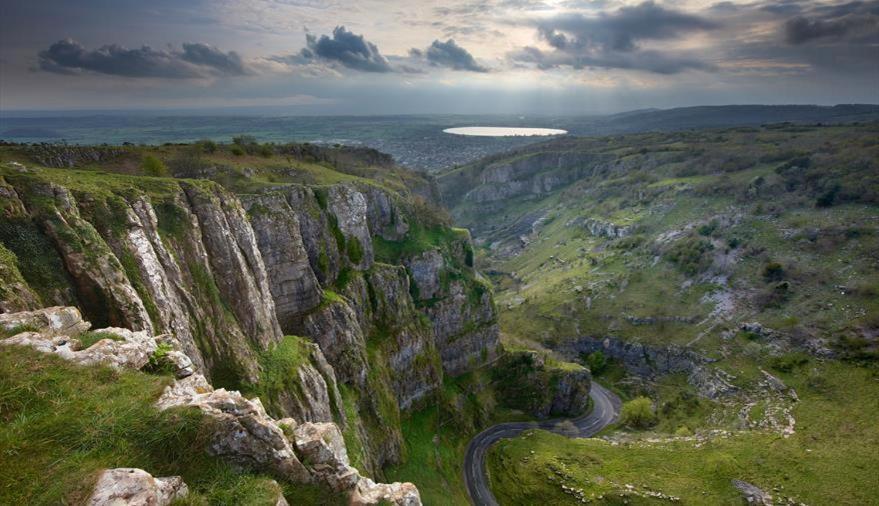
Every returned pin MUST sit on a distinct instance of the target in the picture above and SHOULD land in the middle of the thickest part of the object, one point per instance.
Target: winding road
(605, 410)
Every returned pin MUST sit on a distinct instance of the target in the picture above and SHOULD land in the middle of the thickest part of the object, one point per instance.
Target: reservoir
(486, 131)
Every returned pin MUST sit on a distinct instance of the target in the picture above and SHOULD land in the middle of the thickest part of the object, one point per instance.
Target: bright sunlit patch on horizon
(484, 131)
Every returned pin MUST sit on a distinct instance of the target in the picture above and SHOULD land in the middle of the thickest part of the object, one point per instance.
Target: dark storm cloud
(611, 40)
(194, 61)
(347, 49)
(449, 54)
(848, 22)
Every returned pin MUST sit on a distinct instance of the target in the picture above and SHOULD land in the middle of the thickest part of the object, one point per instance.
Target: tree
(638, 413)
(597, 362)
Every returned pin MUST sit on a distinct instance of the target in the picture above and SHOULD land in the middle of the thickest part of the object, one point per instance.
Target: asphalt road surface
(605, 410)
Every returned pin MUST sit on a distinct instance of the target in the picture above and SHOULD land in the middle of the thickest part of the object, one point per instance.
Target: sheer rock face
(136, 487)
(293, 284)
(425, 270)
(316, 232)
(349, 207)
(336, 330)
(233, 253)
(466, 330)
(100, 280)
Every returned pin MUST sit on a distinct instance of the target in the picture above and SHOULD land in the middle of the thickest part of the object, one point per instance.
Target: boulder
(369, 492)
(752, 494)
(135, 487)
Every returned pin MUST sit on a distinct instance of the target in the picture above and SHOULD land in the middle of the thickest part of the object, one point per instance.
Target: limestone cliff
(386, 293)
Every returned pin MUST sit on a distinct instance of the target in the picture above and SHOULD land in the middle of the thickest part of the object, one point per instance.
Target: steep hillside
(252, 243)
(706, 270)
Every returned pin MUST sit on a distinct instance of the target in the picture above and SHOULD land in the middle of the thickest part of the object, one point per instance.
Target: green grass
(279, 371)
(61, 423)
(835, 443)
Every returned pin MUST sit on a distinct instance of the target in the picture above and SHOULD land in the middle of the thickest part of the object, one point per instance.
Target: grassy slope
(567, 282)
(830, 460)
(60, 423)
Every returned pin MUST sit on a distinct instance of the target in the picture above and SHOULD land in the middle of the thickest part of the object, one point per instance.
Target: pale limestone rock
(51, 321)
(136, 487)
(368, 492)
(752, 494)
(243, 432)
(350, 209)
(322, 446)
(133, 352)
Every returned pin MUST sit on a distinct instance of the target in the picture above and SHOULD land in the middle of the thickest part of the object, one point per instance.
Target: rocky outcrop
(752, 494)
(136, 487)
(242, 432)
(51, 321)
(122, 348)
(531, 174)
(526, 381)
(607, 229)
(650, 361)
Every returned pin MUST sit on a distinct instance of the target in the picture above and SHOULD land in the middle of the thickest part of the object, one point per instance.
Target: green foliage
(354, 250)
(157, 363)
(638, 413)
(152, 166)
(237, 150)
(597, 362)
(690, 255)
(279, 370)
(789, 361)
(70, 421)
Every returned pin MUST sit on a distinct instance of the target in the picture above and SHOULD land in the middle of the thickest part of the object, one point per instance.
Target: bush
(638, 413)
(690, 255)
(597, 362)
(207, 145)
(237, 151)
(789, 361)
(152, 166)
(773, 271)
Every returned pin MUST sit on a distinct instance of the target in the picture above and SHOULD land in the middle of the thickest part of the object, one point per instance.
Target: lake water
(484, 131)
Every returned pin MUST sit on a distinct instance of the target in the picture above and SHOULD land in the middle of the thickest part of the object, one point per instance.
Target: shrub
(207, 145)
(638, 413)
(773, 271)
(690, 254)
(789, 361)
(152, 166)
(597, 362)
(237, 151)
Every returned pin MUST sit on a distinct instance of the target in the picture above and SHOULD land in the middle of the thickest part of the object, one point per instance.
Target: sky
(453, 56)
